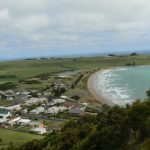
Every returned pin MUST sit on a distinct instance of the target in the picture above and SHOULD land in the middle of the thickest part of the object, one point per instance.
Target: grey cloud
(65, 23)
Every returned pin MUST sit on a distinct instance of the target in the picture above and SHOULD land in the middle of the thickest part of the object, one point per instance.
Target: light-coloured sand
(93, 88)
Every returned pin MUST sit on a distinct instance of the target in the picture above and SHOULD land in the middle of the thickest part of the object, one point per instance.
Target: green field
(14, 71)
(15, 137)
(29, 68)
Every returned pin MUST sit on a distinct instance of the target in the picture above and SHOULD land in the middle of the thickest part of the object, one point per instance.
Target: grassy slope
(17, 138)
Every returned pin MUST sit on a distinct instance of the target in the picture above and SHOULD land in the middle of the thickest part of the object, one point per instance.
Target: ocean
(124, 85)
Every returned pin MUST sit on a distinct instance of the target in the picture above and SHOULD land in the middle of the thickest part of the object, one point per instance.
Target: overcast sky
(31, 28)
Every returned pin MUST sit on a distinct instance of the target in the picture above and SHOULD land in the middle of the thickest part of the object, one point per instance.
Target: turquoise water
(124, 85)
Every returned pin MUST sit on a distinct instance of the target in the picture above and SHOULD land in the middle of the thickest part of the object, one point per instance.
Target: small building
(69, 104)
(80, 106)
(38, 110)
(4, 113)
(22, 95)
(13, 120)
(55, 109)
(8, 95)
(24, 121)
(64, 97)
(35, 101)
(59, 101)
(24, 111)
(15, 107)
(39, 130)
(76, 111)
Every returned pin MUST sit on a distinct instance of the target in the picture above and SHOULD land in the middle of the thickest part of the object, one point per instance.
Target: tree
(148, 93)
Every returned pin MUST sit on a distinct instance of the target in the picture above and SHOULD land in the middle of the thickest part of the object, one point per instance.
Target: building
(59, 101)
(76, 111)
(15, 107)
(40, 130)
(69, 104)
(35, 101)
(55, 109)
(8, 95)
(4, 113)
(38, 110)
(22, 95)
(13, 120)
(24, 121)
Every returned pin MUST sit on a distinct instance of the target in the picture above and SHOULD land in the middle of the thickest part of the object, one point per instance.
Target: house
(23, 121)
(35, 101)
(69, 104)
(55, 109)
(40, 130)
(64, 97)
(8, 95)
(81, 107)
(24, 111)
(76, 111)
(38, 110)
(47, 94)
(15, 107)
(22, 95)
(59, 85)
(4, 113)
(13, 120)
(51, 103)
(58, 101)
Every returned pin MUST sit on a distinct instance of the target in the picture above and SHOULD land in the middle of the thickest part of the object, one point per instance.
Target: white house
(22, 95)
(9, 94)
(55, 109)
(24, 121)
(39, 130)
(13, 120)
(35, 101)
(15, 107)
(4, 113)
(58, 101)
(38, 110)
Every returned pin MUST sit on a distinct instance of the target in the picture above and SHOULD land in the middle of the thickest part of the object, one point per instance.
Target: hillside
(112, 129)
(102, 127)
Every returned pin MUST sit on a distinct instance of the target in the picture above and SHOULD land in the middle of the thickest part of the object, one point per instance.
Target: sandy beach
(93, 88)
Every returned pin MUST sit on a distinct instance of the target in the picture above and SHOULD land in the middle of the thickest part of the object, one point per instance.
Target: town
(39, 111)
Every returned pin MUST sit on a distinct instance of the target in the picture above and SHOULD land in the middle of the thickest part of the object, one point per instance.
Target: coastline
(92, 87)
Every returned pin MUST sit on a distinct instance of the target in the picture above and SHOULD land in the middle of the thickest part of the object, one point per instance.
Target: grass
(15, 137)
(145, 145)
(29, 68)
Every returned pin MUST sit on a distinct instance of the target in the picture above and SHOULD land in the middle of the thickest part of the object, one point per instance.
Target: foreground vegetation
(18, 138)
(114, 128)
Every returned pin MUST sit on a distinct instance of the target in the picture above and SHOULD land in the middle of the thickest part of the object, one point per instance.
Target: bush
(7, 86)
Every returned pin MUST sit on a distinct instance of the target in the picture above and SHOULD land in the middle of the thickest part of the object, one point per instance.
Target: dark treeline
(8, 77)
(77, 81)
(8, 85)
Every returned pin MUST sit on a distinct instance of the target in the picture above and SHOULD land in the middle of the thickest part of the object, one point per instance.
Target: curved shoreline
(96, 93)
